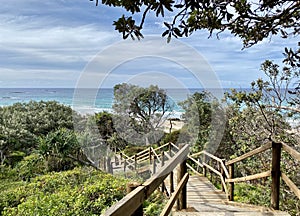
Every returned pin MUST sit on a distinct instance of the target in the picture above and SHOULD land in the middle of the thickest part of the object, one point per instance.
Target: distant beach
(88, 103)
(103, 100)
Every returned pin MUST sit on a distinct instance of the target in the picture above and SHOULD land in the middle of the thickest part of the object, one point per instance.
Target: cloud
(41, 40)
(60, 38)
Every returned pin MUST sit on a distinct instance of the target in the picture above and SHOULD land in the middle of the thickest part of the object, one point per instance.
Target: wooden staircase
(204, 199)
(195, 194)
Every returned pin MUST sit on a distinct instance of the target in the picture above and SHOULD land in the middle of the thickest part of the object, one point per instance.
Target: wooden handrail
(168, 207)
(274, 173)
(160, 147)
(212, 169)
(205, 165)
(251, 153)
(156, 155)
(250, 177)
(134, 199)
(127, 157)
(291, 185)
(195, 161)
(213, 157)
(291, 151)
(175, 146)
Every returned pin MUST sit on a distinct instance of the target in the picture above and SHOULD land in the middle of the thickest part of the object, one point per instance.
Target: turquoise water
(102, 101)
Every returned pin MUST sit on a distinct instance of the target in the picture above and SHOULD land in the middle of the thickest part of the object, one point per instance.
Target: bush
(81, 191)
(31, 166)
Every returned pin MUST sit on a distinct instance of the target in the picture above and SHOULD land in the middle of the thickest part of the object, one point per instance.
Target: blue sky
(50, 44)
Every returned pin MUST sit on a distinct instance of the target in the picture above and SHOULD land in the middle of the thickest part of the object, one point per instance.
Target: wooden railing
(275, 171)
(205, 160)
(140, 162)
(132, 201)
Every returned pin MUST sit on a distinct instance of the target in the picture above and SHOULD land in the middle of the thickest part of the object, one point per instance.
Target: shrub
(81, 191)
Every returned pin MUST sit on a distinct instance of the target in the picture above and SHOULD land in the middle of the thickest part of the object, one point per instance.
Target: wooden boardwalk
(204, 199)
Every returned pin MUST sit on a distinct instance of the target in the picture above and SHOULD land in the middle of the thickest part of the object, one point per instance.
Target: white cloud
(41, 40)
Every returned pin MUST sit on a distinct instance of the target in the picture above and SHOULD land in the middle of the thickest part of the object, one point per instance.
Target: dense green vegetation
(81, 191)
(47, 166)
(44, 166)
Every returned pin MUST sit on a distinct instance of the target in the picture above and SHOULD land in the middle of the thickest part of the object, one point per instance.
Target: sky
(58, 43)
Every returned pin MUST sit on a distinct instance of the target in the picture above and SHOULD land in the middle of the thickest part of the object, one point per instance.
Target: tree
(140, 111)
(250, 20)
(272, 98)
(204, 119)
(262, 114)
(197, 117)
(22, 123)
(104, 121)
(62, 150)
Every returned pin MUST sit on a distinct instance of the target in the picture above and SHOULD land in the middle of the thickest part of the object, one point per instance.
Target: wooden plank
(157, 157)
(145, 154)
(143, 159)
(212, 156)
(291, 151)
(212, 169)
(160, 147)
(168, 207)
(175, 146)
(142, 152)
(195, 171)
(251, 153)
(195, 161)
(127, 157)
(197, 154)
(133, 200)
(164, 171)
(225, 169)
(224, 186)
(291, 185)
(128, 204)
(250, 177)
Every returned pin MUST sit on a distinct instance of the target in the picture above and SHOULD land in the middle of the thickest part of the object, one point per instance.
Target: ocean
(91, 100)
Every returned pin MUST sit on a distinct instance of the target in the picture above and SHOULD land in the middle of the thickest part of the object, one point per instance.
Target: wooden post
(150, 156)
(124, 165)
(162, 164)
(275, 187)
(181, 202)
(108, 165)
(210, 172)
(116, 160)
(231, 184)
(131, 187)
(223, 174)
(204, 167)
(171, 182)
(104, 163)
(154, 166)
(135, 162)
(111, 167)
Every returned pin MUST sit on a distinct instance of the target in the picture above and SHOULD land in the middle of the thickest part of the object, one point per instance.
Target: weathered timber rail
(132, 201)
(147, 160)
(169, 156)
(275, 171)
